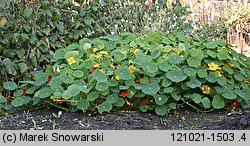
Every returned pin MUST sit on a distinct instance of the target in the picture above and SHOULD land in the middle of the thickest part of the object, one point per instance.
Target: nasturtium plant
(152, 73)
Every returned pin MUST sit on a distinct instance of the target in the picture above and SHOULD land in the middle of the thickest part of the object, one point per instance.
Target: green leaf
(197, 53)
(193, 83)
(223, 54)
(228, 69)
(151, 89)
(206, 102)
(27, 12)
(211, 78)
(143, 108)
(112, 98)
(166, 82)
(181, 36)
(17, 102)
(190, 71)
(18, 93)
(238, 76)
(150, 67)
(161, 110)
(123, 73)
(168, 90)
(83, 104)
(144, 80)
(176, 75)
(244, 93)
(120, 102)
(88, 64)
(10, 85)
(2, 99)
(104, 107)
(196, 98)
(22, 67)
(165, 67)
(212, 54)
(26, 99)
(228, 94)
(92, 96)
(78, 74)
(174, 59)
(102, 86)
(211, 45)
(160, 99)
(66, 79)
(99, 76)
(222, 81)
(74, 89)
(194, 61)
(202, 73)
(67, 94)
(43, 93)
(218, 102)
(175, 96)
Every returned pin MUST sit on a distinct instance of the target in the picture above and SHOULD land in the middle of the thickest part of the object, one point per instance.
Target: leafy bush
(157, 72)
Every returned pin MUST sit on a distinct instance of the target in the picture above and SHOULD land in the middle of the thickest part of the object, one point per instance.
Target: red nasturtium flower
(149, 82)
(99, 100)
(49, 78)
(144, 100)
(24, 93)
(10, 99)
(234, 104)
(137, 81)
(25, 89)
(60, 101)
(92, 69)
(141, 75)
(123, 93)
(135, 98)
(130, 104)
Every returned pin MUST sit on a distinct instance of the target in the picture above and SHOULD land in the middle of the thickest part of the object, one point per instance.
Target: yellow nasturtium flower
(96, 65)
(131, 69)
(98, 56)
(205, 89)
(132, 50)
(231, 65)
(117, 78)
(95, 49)
(71, 60)
(213, 67)
(245, 80)
(103, 53)
(219, 74)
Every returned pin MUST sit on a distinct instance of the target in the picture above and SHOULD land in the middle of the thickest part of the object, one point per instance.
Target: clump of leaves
(157, 72)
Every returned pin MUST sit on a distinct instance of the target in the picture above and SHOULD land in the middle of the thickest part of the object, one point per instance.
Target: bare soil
(180, 119)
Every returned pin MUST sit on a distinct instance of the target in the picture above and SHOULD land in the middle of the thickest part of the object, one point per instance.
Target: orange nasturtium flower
(231, 65)
(123, 93)
(205, 89)
(117, 78)
(246, 80)
(71, 60)
(213, 67)
(131, 69)
(132, 50)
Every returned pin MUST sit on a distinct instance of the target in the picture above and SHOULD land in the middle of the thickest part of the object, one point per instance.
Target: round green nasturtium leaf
(123, 73)
(206, 102)
(67, 94)
(165, 67)
(18, 93)
(150, 67)
(152, 88)
(104, 107)
(218, 102)
(120, 102)
(222, 81)
(43, 93)
(113, 82)
(238, 76)
(78, 74)
(17, 102)
(112, 98)
(32, 90)
(219, 89)
(102, 86)
(144, 80)
(168, 90)
(228, 94)
(99, 76)
(161, 110)
(212, 54)
(88, 63)
(176, 75)
(160, 99)
(197, 53)
(202, 73)
(223, 54)
(10, 85)
(74, 89)
(26, 99)
(92, 96)
(22, 67)
(190, 71)
(143, 108)
(244, 93)
(228, 69)
(83, 104)
(59, 54)
(66, 79)
(174, 59)
(166, 82)
(175, 96)
(194, 61)
(211, 78)
(181, 36)
(196, 98)
(211, 45)
(2, 99)
(193, 83)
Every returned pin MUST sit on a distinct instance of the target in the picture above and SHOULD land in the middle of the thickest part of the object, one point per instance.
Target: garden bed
(181, 119)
